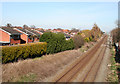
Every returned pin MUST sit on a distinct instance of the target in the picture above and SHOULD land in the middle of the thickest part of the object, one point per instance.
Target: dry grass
(42, 67)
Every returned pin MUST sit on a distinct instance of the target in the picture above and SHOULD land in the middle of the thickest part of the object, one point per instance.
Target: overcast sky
(64, 15)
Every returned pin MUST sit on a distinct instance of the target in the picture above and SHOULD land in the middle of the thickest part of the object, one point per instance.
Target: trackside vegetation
(50, 43)
(13, 53)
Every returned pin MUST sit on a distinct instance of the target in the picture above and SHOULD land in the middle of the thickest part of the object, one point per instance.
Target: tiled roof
(28, 31)
(10, 30)
(41, 31)
(25, 31)
(33, 32)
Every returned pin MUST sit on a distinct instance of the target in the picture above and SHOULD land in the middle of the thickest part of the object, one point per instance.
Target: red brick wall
(4, 36)
(36, 39)
(24, 37)
(29, 40)
(12, 41)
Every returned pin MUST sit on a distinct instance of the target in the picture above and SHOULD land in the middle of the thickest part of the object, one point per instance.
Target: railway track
(87, 66)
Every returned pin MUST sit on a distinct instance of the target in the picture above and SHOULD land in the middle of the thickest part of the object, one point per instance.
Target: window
(15, 37)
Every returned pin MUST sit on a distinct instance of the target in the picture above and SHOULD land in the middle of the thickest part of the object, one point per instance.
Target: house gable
(4, 36)
(20, 31)
(5, 31)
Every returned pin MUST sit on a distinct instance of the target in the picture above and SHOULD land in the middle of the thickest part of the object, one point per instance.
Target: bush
(56, 42)
(68, 45)
(90, 38)
(78, 41)
(13, 53)
(87, 39)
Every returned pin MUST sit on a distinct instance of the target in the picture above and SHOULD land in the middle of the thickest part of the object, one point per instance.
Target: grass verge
(113, 77)
(27, 78)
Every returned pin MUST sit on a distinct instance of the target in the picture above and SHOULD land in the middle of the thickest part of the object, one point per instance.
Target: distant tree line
(24, 26)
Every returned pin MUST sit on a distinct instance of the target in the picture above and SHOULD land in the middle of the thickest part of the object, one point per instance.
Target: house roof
(25, 31)
(38, 32)
(33, 32)
(41, 30)
(10, 30)
(28, 31)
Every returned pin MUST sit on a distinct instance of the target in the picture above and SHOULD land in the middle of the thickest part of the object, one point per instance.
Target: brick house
(40, 32)
(28, 35)
(9, 36)
(25, 37)
(57, 30)
(36, 35)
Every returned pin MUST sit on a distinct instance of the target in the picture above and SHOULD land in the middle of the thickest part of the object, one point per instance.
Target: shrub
(56, 42)
(87, 39)
(90, 38)
(78, 41)
(69, 44)
(13, 53)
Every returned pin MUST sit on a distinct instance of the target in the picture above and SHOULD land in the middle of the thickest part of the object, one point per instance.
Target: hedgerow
(13, 53)
(56, 42)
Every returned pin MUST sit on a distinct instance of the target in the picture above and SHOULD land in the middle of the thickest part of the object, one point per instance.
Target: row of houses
(12, 36)
(19, 35)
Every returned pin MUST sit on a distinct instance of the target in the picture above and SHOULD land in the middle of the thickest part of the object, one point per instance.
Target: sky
(65, 15)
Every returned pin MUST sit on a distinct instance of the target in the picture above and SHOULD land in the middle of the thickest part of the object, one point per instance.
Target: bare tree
(75, 30)
(33, 26)
(117, 22)
(78, 41)
(59, 28)
(9, 25)
(116, 34)
(25, 26)
(96, 32)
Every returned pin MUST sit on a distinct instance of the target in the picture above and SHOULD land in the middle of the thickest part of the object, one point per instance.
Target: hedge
(13, 53)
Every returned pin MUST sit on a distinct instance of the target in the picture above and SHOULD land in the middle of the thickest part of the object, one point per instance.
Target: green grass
(83, 48)
(38, 58)
(113, 77)
(27, 78)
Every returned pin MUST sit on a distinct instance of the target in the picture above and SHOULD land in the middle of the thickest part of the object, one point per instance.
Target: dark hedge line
(13, 53)
(56, 42)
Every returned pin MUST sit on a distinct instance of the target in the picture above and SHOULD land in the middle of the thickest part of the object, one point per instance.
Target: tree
(74, 30)
(25, 26)
(117, 22)
(116, 32)
(116, 35)
(78, 41)
(59, 28)
(86, 32)
(56, 42)
(9, 25)
(95, 32)
(33, 26)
